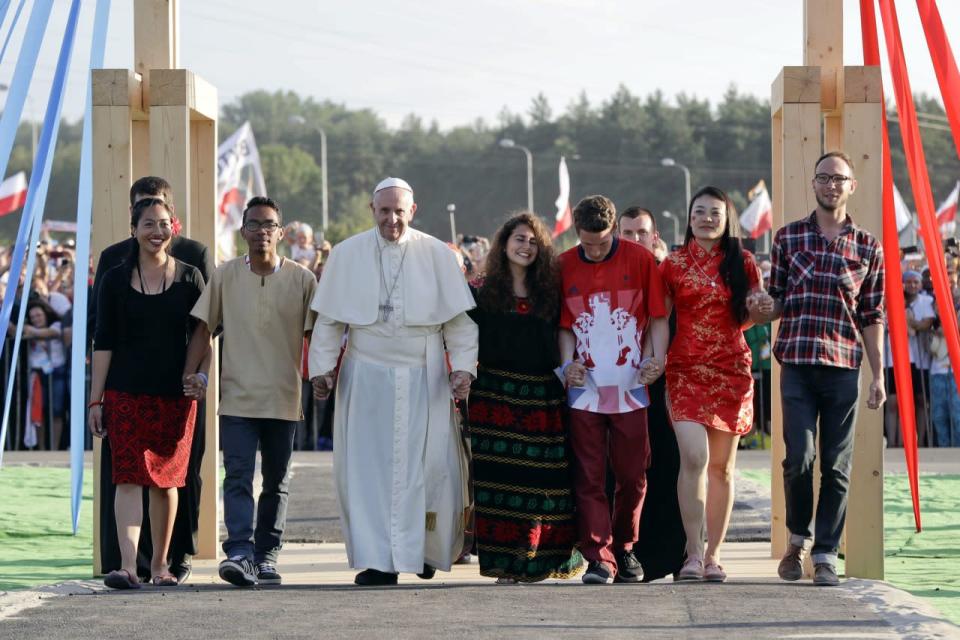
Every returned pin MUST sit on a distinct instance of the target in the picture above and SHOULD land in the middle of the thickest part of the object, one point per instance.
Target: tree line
(613, 147)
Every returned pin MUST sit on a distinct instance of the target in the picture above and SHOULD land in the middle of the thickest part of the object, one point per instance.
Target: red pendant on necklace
(523, 306)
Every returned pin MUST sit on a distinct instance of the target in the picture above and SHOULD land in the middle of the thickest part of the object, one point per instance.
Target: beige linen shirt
(264, 319)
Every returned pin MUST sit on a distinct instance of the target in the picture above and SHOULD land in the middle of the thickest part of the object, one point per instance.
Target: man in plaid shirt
(826, 286)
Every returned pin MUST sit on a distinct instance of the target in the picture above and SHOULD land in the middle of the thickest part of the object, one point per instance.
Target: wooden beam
(112, 171)
(169, 155)
(203, 194)
(778, 526)
(155, 37)
(862, 113)
(823, 47)
(175, 87)
(796, 85)
(795, 146)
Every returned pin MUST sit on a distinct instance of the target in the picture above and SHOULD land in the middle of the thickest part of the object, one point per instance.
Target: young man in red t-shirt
(613, 339)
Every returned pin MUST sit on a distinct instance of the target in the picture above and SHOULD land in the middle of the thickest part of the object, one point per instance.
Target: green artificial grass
(924, 564)
(37, 545)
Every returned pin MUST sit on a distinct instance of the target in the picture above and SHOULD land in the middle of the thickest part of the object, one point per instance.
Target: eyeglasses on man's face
(252, 226)
(837, 179)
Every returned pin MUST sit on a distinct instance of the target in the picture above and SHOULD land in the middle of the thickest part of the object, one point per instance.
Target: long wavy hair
(731, 266)
(496, 292)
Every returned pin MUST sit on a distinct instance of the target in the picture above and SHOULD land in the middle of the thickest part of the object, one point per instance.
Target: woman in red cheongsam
(709, 382)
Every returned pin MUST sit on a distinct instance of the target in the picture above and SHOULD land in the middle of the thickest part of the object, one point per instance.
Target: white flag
(239, 178)
(757, 218)
(947, 212)
(564, 216)
(900, 207)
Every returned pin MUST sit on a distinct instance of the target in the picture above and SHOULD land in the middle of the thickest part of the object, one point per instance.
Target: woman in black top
(138, 386)
(525, 527)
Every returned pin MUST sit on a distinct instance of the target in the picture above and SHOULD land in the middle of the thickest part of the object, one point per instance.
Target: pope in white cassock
(399, 461)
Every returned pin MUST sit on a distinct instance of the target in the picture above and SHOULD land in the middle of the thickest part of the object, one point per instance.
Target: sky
(454, 61)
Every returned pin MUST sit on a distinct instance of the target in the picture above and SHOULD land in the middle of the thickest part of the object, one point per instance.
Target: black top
(516, 342)
(147, 334)
(183, 249)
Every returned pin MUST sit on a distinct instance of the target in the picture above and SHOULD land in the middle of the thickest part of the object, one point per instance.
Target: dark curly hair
(496, 291)
(732, 270)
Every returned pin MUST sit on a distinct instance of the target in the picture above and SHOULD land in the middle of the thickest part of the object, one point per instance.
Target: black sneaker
(267, 573)
(628, 568)
(239, 571)
(596, 573)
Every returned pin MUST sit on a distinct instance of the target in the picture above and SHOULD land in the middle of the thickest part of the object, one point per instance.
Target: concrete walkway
(318, 598)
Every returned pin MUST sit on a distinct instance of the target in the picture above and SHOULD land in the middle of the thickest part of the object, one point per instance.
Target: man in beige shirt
(262, 302)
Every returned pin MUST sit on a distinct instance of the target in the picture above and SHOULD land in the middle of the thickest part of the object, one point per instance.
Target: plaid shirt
(829, 291)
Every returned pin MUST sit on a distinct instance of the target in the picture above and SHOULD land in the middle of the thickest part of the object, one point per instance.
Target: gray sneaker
(267, 573)
(825, 575)
(791, 565)
(239, 571)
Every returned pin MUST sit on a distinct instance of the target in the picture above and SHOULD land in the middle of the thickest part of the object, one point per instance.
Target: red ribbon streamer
(893, 289)
(944, 64)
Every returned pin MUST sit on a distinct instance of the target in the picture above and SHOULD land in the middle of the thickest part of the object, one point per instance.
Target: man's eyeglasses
(838, 180)
(252, 226)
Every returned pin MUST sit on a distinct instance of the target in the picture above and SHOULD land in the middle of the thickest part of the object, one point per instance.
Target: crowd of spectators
(936, 402)
(41, 391)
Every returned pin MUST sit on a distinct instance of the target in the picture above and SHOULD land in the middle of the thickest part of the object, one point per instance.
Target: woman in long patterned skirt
(138, 387)
(709, 382)
(525, 526)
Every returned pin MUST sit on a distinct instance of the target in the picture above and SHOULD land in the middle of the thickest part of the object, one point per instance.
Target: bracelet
(203, 377)
(98, 403)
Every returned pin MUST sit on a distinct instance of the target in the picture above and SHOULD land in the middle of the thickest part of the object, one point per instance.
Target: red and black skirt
(150, 437)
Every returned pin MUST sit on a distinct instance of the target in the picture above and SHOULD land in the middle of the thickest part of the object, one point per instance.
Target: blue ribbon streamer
(78, 349)
(9, 121)
(13, 24)
(4, 5)
(37, 193)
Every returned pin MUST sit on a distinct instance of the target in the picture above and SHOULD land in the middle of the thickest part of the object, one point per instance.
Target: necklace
(163, 282)
(386, 308)
(711, 279)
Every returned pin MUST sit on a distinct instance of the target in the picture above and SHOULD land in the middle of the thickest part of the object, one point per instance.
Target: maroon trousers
(622, 436)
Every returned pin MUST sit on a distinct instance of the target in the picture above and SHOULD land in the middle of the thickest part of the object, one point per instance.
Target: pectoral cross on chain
(385, 310)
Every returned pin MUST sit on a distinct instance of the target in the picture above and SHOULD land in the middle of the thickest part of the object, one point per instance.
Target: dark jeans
(239, 438)
(809, 393)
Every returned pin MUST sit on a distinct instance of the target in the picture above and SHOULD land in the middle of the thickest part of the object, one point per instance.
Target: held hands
(877, 394)
(650, 369)
(760, 302)
(323, 385)
(95, 421)
(195, 386)
(575, 374)
(460, 384)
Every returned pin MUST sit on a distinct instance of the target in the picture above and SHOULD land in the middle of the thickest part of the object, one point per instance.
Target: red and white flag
(13, 193)
(947, 213)
(900, 208)
(757, 218)
(239, 178)
(564, 217)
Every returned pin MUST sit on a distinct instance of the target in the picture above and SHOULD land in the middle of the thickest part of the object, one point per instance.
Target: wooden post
(823, 47)
(168, 129)
(116, 96)
(795, 110)
(862, 113)
(849, 100)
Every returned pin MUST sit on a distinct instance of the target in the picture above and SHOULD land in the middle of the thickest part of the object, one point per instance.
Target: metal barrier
(21, 392)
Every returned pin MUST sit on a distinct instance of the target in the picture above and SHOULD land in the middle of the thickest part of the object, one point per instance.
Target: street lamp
(33, 125)
(324, 220)
(676, 226)
(670, 162)
(507, 143)
(452, 210)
